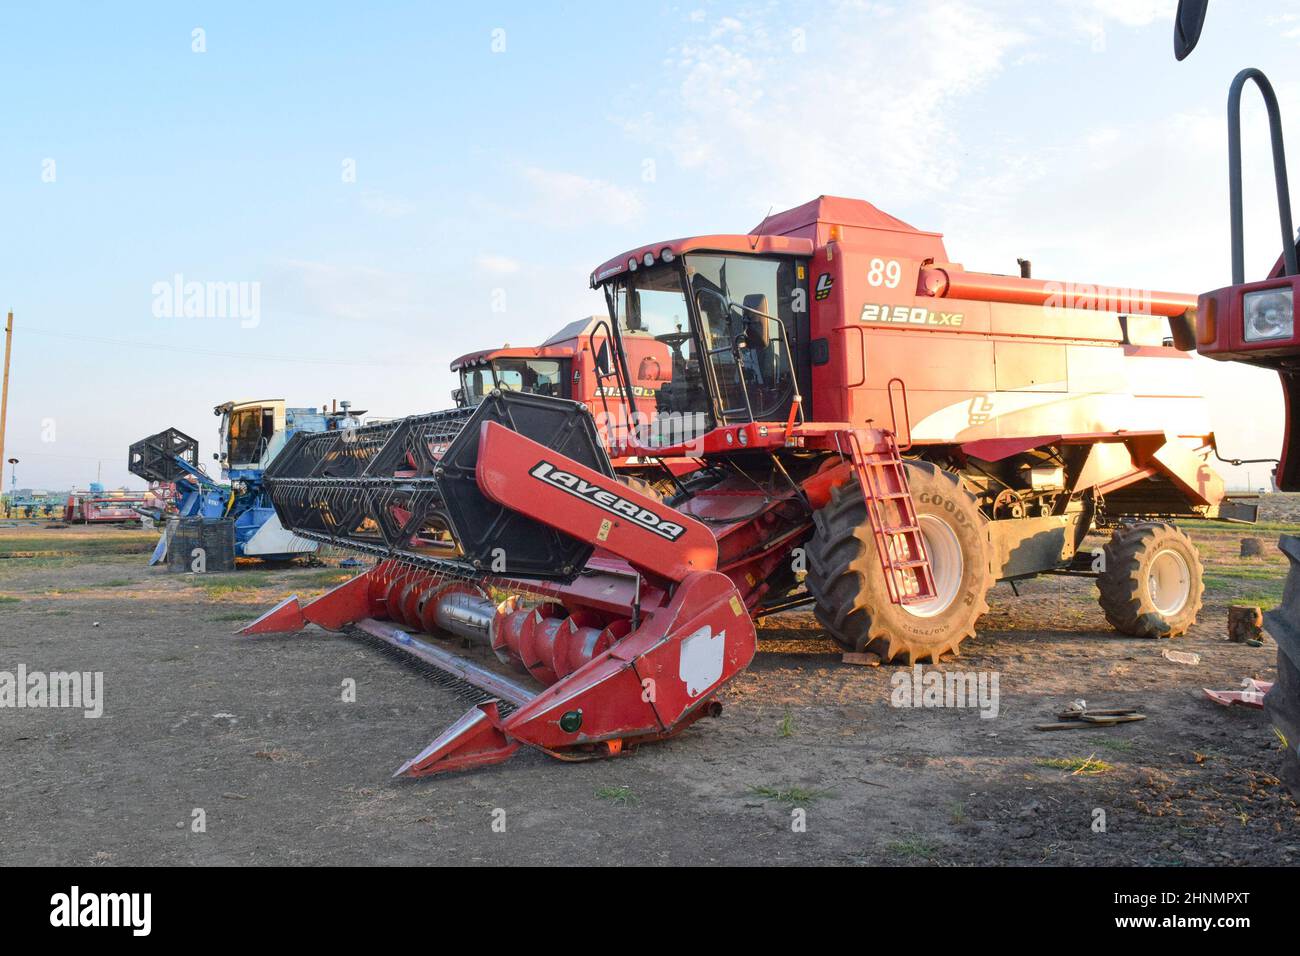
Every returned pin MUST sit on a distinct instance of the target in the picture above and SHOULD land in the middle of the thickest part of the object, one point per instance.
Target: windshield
(747, 307)
(538, 376)
(248, 431)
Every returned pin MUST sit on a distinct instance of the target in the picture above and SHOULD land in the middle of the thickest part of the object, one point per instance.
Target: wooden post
(4, 392)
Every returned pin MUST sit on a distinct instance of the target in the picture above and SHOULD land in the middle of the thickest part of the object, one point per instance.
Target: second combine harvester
(853, 422)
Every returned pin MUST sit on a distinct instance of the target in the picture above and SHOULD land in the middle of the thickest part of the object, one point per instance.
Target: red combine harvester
(565, 367)
(872, 430)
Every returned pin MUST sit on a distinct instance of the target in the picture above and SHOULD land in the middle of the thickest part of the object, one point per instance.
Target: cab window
(747, 307)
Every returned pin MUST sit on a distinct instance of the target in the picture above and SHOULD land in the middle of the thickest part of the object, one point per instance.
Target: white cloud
(1136, 13)
(388, 207)
(569, 199)
(727, 25)
(497, 265)
(869, 102)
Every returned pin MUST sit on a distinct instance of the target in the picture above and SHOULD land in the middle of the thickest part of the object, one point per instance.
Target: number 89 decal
(888, 274)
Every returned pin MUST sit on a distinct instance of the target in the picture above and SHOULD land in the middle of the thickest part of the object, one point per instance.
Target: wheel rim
(1169, 580)
(946, 566)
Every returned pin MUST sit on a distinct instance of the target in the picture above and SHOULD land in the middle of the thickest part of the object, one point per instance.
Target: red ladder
(899, 541)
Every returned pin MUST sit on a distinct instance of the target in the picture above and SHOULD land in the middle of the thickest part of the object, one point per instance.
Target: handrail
(1279, 172)
(862, 364)
(615, 371)
(732, 347)
(893, 416)
(795, 396)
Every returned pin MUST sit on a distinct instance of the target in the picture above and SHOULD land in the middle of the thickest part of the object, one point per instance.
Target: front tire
(849, 588)
(1150, 584)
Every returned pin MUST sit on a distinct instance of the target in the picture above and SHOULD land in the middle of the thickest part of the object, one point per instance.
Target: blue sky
(1064, 132)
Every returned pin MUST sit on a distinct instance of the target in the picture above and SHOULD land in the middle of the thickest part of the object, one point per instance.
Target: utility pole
(4, 394)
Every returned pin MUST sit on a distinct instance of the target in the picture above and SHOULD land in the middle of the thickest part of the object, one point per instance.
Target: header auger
(838, 416)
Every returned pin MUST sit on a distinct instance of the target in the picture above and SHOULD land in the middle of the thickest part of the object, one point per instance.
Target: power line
(49, 454)
(247, 356)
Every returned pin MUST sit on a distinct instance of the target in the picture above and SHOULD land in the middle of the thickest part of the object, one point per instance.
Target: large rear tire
(849, 588)
(1150, 584)
(1282, 707)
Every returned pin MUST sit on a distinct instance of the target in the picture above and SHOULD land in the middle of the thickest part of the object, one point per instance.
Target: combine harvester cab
(568, 365)
(861, 426)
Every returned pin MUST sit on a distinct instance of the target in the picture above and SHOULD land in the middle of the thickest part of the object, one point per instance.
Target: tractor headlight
(1268, 314)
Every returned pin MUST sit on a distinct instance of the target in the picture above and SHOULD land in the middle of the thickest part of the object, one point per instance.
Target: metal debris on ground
(1251, 694)
(1077, 715)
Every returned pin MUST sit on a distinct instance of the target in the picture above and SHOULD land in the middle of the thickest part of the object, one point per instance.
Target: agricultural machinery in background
(1255, 323)
(30, 503)
(564, 366)
(870, 429)
(251, 435)
(97, 506)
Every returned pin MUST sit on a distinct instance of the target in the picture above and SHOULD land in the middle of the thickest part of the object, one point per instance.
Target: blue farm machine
(252, 433)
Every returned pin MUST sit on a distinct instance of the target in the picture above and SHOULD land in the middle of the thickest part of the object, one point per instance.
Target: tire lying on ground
(1150, 583)
(845, 579)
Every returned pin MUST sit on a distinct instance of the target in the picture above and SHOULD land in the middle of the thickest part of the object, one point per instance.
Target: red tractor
(871, 430)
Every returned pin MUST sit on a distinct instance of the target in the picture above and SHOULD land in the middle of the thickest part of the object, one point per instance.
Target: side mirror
(633, 319)
(604, 366)
(1188, 22)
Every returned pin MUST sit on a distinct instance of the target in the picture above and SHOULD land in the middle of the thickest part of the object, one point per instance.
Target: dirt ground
(251, 737)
